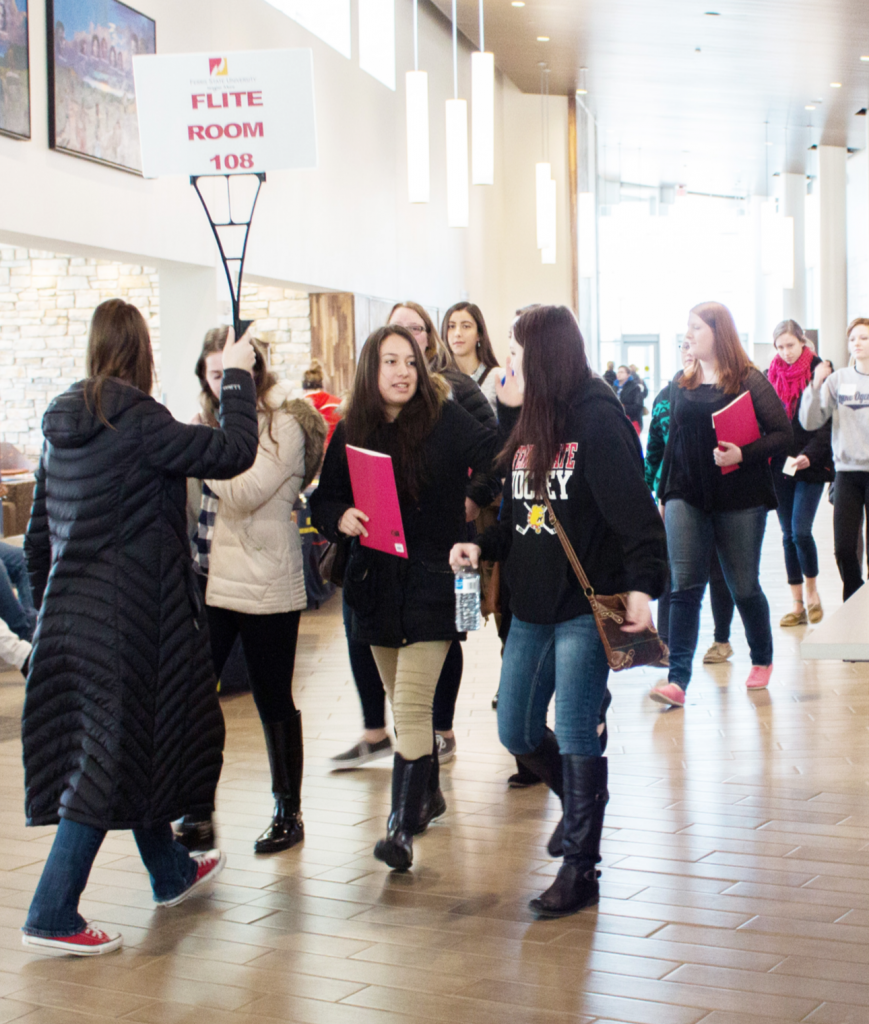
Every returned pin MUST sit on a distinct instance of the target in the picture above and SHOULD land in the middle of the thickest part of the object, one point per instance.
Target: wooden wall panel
(333, 339)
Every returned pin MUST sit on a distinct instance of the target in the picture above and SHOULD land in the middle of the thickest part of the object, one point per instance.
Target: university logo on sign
(217, 66)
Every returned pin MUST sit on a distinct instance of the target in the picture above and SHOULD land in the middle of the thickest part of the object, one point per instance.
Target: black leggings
(851, 496)
(269, 643)
(373, 697)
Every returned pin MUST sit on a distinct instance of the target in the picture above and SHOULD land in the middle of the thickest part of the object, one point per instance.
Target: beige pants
(410, 676)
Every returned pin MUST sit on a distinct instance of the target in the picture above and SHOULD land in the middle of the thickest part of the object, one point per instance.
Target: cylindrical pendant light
(545, 186)
(483, 112)
(458, 198)
(416, 85)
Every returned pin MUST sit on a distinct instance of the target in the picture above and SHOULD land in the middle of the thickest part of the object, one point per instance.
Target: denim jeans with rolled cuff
(54, 909)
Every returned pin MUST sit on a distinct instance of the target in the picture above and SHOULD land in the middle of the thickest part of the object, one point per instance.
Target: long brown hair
(438, 353)
(118, 346)
(485, 352)
(264, 379)
(730, 357)
(861, 321)
(554, 365)
(366, 412)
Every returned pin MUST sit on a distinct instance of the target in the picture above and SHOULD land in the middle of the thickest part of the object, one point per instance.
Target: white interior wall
(346, 225)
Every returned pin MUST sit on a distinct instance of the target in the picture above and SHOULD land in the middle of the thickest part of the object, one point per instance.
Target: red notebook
(737, 424)
(374, 493)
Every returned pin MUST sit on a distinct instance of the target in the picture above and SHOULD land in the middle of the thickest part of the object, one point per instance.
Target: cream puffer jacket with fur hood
(255, 562)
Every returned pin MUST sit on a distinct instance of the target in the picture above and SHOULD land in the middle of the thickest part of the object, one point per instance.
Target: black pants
(269, 643)
(372, 696)
(851, 497)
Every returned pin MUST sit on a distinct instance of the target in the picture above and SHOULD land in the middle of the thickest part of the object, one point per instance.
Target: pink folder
(374, 493)
(737, 424)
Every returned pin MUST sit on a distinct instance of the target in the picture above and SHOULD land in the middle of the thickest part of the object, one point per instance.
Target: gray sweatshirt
(844, 395)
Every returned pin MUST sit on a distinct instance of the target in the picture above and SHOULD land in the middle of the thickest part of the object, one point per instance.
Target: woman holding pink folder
(404, 607)
(709, 504)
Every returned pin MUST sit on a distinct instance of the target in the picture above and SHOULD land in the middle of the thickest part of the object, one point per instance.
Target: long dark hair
(554, 365)
(118, 346)
(366, 412)
(264, 379)
(730, 357)
(485, 352)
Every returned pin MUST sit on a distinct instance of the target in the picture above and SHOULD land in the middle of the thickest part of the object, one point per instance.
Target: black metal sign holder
(234, 286)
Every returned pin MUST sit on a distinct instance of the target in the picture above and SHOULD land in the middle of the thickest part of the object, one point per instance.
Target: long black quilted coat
(122, 727)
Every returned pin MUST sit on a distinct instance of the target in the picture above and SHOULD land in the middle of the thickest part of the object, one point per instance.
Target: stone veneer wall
(47, 301)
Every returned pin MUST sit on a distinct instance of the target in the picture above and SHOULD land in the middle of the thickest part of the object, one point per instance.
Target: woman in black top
(799, 474)
(708, 509)
(404, 608)
(631, 396)
(570, 434)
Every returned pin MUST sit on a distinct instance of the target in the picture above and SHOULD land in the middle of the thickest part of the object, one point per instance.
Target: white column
(768, 292)
(833, 320)
(794, 207)
(188, 308)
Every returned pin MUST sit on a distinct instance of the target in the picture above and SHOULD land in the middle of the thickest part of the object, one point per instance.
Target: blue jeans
(692, 535)
(54, 908)
(18, 613)
(797, 504)
(566, 659)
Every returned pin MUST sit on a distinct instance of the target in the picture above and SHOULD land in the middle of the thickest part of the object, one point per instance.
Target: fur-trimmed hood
(315, 428)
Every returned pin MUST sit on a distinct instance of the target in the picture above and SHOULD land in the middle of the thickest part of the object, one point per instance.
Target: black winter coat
(398, 601)
(631, 397)
(122, 727)
(481, 489)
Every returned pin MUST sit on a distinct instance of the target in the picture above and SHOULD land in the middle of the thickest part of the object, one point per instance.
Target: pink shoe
(758, 677)
(670, 693)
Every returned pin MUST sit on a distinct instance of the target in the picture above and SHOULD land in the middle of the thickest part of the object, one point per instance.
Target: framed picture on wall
(14, 69)
(91, 96)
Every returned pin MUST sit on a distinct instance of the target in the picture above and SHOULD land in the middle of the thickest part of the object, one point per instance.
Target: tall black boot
(555, 846)
(545, 763)
(585, 800)
(195, 835)
(410, 781)
(433, 803)
(286, 760)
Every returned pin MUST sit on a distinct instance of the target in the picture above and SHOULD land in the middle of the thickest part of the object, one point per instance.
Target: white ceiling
(681, 97)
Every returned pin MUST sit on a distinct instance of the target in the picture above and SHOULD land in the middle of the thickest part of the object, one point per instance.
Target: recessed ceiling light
(584, 92)
(835, 85)
(866, 57)
(810, 106)
(712, 14)
(543, 39)
(518, 3)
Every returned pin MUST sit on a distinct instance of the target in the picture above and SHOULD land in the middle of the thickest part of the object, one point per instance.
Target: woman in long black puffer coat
(122, 728)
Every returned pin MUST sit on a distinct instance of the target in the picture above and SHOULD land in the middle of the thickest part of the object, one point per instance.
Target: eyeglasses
(416, 329)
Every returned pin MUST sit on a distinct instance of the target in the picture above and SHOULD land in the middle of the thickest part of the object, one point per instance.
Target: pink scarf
(790, 381)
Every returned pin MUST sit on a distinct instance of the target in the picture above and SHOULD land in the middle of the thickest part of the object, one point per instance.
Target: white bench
(844, 635)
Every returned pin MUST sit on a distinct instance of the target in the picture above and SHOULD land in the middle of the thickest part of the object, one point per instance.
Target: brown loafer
(795, 620)
(816, 612)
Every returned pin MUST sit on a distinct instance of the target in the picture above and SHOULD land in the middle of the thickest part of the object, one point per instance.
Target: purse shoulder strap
(568, 550)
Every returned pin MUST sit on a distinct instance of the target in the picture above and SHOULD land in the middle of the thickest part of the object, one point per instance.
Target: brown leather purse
(623, 650)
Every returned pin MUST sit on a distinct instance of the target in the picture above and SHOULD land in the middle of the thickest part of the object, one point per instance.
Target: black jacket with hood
(122, 727)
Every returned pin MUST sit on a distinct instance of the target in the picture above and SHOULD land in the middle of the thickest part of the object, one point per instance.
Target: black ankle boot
(433, 803)
(410, 781)
(585, 800)
(286, 759)
(194, 835)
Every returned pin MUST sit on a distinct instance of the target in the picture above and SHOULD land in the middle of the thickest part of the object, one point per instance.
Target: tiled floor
(735, 886)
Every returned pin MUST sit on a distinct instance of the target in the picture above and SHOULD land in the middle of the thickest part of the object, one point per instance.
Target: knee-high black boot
(286, 760)
(410, 781)
(585, 800)
(545, 763)
(555, 846)
(433, 804)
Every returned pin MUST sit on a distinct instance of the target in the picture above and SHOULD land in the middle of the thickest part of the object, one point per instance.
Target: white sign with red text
(225, 113)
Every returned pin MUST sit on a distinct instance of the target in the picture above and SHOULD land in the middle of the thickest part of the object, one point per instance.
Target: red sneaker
(88, 942)
(758, 677)
(209, 866)
(669, 693)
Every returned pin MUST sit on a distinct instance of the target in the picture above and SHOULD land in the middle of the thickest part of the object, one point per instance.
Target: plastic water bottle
(467, 600)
